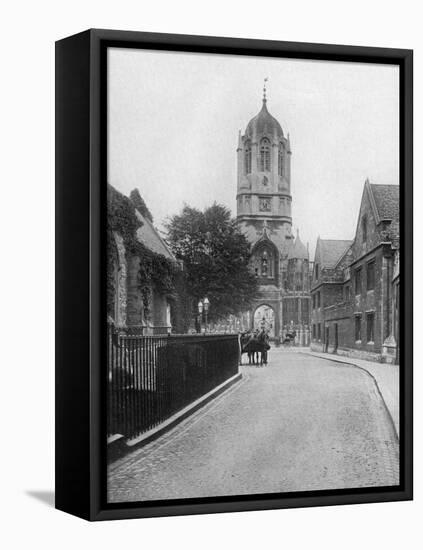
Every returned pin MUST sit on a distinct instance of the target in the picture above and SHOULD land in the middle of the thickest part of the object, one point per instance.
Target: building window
(318, 299)
(280, 160)
(347, 293)
(247, 157)
(314, 301)
(358, 281)
(314, 331)
(299, 282)
(316, 271)
(319, 331)
(371, 275)
(264, 264)
(358, 328)
(370, 323)
(364, 229)
(265, 155)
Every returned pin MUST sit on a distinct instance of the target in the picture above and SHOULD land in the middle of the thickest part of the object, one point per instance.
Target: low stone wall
(359, 354)
(316, 346)
(347, 352)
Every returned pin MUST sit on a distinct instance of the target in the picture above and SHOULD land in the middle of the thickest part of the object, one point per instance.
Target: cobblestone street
(301, 423)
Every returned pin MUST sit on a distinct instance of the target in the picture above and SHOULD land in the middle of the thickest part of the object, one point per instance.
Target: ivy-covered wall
(147, 272)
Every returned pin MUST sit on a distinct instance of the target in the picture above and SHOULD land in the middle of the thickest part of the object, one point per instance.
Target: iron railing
(150, 378)
(141, 330)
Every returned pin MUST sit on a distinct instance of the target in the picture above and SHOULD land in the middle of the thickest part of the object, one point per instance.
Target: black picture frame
(81, 125)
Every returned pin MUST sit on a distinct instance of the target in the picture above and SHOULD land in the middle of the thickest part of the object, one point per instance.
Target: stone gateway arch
(264, 318)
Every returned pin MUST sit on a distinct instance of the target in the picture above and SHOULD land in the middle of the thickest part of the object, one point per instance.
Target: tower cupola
(264, 124)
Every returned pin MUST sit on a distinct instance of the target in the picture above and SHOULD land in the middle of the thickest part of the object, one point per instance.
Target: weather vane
(264, 88)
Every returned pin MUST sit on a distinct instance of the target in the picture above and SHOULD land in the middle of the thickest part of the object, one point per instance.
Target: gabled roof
(386, 201)
(331, 251)
(149, 236)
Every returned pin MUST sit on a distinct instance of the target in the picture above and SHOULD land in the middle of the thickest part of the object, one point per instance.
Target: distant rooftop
(298, 250)
(331, 251)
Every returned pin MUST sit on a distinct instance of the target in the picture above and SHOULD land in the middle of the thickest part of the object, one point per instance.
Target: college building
(355, 284)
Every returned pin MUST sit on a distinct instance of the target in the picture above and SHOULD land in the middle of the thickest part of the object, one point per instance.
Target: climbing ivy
(155, 269)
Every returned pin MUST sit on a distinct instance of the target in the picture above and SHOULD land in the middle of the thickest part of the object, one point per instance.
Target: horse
(253, 345)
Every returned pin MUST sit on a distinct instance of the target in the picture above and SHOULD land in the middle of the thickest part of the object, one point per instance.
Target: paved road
(301, 423)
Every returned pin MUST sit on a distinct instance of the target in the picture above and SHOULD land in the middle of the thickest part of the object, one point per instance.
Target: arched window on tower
(265, 155)
(264, 263)
(299, 281)
(280, 160)
(247, 157)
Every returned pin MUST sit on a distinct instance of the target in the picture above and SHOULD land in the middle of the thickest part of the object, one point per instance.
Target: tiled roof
(331, 251)
(149, 236)
(387, 201)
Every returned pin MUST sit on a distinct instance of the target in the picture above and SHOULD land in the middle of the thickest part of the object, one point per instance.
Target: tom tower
(280, 261)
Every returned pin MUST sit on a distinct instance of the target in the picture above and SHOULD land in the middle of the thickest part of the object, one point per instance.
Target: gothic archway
(264, 260)
(264, 317)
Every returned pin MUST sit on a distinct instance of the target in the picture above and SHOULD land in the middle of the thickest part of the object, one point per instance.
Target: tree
(215, 255)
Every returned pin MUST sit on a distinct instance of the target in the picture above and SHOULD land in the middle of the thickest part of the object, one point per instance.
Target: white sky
(174, 120)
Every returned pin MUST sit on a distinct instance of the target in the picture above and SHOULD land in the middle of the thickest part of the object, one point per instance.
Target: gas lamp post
(203, 305)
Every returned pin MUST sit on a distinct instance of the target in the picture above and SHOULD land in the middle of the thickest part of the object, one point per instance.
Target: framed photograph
(234, 274)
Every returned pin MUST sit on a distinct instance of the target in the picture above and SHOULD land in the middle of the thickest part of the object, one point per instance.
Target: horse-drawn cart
(255, 344)
(289, 339)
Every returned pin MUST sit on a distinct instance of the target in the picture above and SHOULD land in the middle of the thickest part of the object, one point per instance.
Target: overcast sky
(174, 120)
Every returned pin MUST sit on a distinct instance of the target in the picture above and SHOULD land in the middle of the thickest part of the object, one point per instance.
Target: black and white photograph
(253, 281)
(209, 311)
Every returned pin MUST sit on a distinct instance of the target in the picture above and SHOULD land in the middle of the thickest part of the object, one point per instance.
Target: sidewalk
(385, 375)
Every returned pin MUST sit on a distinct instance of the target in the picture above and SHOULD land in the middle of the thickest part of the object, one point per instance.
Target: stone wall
(135, 309)
(121, 281)
(129, 307)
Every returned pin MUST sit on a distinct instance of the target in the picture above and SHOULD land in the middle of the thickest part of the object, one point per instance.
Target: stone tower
(280, 262)
(264, 178)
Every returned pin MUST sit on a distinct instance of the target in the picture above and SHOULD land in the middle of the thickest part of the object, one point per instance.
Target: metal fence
(152, 377)
(141, 330)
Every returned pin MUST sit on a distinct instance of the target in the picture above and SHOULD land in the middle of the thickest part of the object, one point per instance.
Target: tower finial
(264, 89)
